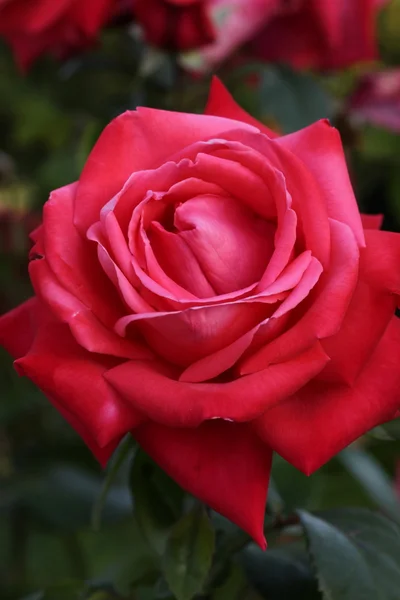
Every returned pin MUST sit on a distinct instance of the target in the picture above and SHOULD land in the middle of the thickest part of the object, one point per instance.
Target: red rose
(304, 33)
(210, 288)
(323, 35)
(175, 24)
(377, 99)
(55, 26)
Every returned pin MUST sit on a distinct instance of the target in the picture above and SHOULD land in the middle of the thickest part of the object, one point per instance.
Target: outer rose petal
(70, 375)
(221, 104)
(17, 328)
(137, 140)
(236, 22)
(319, 421)
(74, 261)
(90, 16)
(102, 453)
(152, 390)
(320, 148)
(30, 18)
(89, 332)
(380, 260)
(372, 221)
(223, 464)
(365, 322)
(321, 35)
(376, 99)
(17, 332)
(175, 25)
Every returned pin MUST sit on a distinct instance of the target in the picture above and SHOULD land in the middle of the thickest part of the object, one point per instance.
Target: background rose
(302, 33)
(175, 24)
(208, 289)
(42, 26)
(376, 99)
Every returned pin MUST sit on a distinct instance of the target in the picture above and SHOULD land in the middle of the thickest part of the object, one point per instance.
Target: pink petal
(232, 245)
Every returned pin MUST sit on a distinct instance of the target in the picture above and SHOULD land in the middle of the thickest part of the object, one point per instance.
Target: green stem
(237, 543)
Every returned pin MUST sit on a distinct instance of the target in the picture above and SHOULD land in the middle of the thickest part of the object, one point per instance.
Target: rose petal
(179, 262)
(174, 403)
(372, 221)
(36, 17)
(308, 200)
(320, 148)
(73, 260)
(319, 421)
(327, 308)
(232, 245)
(185, 336)
(221, 104)
(17, 328)
(211, 462)
(309, 279)
(380, 260)
(364, 324)
(143, 139)
(90, 16)
(101, 453)
(65, 371)
(88, 331)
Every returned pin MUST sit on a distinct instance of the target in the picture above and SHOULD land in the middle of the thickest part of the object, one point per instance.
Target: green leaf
(392, 428)
(235, 587)
(294, 487)
(188, 554)
(281, 573)
(157, 500)
(275, 504)
(124, 451)
(294, 100)
(369, 473)
(63, 497)
(355, 554)
(69, 590)
(378, 144)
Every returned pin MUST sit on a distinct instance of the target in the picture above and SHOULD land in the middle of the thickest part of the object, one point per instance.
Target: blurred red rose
(213, 289)
(33, 28)
(304, 33)
(175, 24)
(377, 99)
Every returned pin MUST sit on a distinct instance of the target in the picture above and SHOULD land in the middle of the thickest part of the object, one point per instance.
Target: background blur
(50, 118)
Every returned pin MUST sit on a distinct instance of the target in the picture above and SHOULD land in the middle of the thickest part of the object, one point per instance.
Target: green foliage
(157, 501)
(354, 554)
(188, 554)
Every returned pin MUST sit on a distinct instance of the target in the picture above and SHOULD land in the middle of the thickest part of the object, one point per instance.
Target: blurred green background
(51, 488)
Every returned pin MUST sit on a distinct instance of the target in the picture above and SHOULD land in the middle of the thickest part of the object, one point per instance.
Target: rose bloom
(376, 100)
(322, 34)
(37, 27)
(175, 24)
(213, 290)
